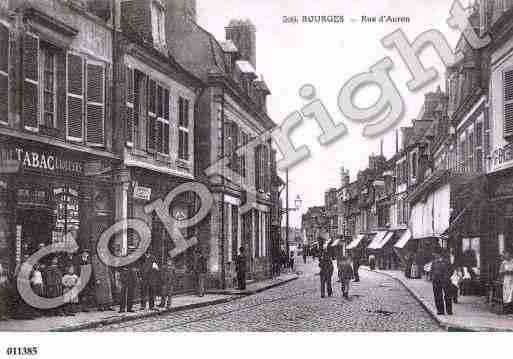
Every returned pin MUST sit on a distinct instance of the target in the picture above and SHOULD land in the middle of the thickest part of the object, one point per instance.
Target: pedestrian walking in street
(167, 276)
(345, 273)
(326, 273)
(149, 278)
(291, 260)
(372, 262)
(128, 278)
(441, 274)
(356, 267)
(506, 273)
(304, 255)
(70, 281)
(240, 267)
(200, 268)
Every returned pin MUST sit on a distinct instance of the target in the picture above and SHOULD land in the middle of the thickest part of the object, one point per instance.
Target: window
(162, 122)
(479, 147)
(4, 74)
(235, 232)
(158, 24)
(152, 116)
(508, 102)
(85, 100)
(414, 166)
(244, 141)
(183, 129)
(48, 87)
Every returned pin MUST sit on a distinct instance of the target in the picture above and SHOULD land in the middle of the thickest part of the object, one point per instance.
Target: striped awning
(403, 241)
(378, 238)
(381, 243)
(356, 242)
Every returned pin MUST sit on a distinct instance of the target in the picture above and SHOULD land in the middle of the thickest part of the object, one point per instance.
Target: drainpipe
(223, 181)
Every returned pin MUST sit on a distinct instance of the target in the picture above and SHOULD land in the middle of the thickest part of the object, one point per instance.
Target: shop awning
(403, 241)
(337, 242)
(380, 236)
(378, 245)
(356, 242)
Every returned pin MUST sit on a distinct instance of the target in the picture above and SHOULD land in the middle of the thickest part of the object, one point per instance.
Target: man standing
(128, 277)
(200, 268)
(356, 267)
(149, 277)
(240, 267)
(326, 265)
(85, 297)
(440, 272)
(304, 255)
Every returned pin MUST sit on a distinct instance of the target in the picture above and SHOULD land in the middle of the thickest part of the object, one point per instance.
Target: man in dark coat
(356, 266)
(86, 296)
(53, 283)
(200, 269)
(240, 267)
(149, 278)
(128, 278)
(326, 265)
(441, 275)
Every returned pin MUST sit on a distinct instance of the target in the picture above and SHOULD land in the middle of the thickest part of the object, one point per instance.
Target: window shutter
(31, 81)
(75, 98)
(152, 116)
(508, 103)
(165, 133)
(4, 74)
(95, 104)
(130, 99)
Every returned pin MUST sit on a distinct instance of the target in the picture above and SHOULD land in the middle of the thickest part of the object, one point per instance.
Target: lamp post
(287, 210)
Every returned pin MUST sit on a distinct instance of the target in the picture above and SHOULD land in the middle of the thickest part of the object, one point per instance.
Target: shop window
(183, 129)
(4, 74)
(152, 116)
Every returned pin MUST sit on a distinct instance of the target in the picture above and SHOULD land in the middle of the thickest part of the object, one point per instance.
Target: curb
(119, 320)
(445, 325)
(254, 291)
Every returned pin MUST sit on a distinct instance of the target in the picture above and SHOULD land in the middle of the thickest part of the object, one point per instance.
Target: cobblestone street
(377, 303)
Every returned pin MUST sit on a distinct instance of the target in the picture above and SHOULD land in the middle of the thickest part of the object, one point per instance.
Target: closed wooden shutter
(4, 74)
(130, 99)
(75, 125)
(508, 103)
(165, 124)
(95, 104)
(31, 81)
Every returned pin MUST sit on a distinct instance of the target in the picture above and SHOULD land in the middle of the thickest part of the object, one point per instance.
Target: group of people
(347, 271)
(60, 276)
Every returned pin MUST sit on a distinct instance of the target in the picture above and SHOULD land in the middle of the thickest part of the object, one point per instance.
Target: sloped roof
(229, 46)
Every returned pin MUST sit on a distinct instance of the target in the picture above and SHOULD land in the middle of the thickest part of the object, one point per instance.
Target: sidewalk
(472, 313)
(256, 287)
(84, 321)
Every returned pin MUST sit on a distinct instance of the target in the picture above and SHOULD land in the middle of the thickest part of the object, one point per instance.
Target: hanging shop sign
(142, 193)
(41, 160)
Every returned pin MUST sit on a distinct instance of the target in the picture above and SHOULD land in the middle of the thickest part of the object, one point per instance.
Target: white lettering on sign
(40, 160)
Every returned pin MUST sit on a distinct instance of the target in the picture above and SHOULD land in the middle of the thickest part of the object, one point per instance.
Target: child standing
(345, 272)
(70, 281)
(167, 277)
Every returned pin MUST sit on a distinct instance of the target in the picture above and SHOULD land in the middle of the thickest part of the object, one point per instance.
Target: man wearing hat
(85, 296)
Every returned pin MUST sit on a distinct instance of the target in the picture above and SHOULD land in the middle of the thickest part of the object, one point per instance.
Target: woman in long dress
(506, 272)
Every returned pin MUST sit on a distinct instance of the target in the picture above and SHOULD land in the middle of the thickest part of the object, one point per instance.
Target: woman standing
(506, 272)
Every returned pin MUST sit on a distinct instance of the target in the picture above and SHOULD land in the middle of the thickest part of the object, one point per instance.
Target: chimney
(243, 34)
(101, 8)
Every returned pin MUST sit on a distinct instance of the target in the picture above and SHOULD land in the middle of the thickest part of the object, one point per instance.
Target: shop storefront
(53, 198)
(147, 186)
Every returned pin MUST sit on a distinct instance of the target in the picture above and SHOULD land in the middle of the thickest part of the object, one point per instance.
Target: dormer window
(158, 24)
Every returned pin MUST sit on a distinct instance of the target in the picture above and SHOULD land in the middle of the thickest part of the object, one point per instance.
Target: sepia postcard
(244, 166)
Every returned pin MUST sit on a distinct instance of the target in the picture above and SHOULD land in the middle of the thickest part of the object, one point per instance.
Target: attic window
(158, 24)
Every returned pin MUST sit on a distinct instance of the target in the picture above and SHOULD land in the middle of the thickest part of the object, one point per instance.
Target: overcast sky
(326, 56)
